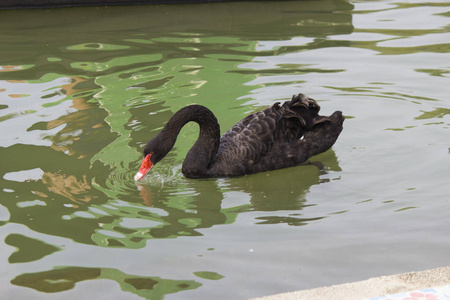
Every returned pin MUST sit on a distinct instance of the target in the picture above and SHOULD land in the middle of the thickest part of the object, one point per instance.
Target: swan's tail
(323, 135)
(319, 132)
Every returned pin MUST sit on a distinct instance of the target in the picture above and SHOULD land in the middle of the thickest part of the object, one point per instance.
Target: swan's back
(278, 137)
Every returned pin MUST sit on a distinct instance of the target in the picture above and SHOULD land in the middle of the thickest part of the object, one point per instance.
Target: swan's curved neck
(199, 156)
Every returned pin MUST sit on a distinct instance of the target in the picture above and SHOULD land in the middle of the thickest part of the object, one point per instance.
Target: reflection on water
(82, 90)
(62, 279)
(28, 249)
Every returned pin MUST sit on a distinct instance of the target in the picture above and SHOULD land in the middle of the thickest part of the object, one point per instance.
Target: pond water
(83, 89)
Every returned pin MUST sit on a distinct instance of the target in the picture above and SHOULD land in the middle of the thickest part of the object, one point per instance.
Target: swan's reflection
(275, 191)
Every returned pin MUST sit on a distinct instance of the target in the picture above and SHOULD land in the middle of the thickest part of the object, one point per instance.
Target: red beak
(146, 166)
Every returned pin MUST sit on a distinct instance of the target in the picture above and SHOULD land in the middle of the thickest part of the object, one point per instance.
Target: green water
(82, 90)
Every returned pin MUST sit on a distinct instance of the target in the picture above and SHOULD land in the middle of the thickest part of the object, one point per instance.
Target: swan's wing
(268, 139)
(254, 136)
(251, 138)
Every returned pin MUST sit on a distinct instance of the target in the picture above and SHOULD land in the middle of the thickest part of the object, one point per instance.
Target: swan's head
(154, 151)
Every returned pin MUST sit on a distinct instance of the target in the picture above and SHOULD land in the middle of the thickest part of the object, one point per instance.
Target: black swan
(280, 136)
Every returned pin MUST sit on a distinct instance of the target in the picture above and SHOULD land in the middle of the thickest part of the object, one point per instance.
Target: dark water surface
(82, 90)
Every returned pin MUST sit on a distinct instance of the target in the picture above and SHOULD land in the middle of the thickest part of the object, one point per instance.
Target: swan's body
(280, 136)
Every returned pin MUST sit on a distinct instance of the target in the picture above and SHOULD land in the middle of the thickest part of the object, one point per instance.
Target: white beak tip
(138, 176)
